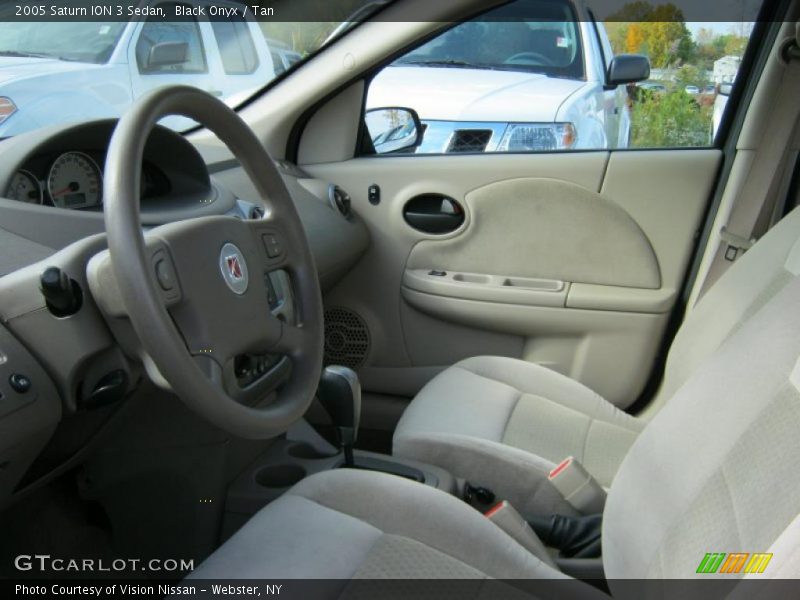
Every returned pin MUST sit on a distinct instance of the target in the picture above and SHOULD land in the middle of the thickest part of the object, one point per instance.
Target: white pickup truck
(53, 72)
(530, 76)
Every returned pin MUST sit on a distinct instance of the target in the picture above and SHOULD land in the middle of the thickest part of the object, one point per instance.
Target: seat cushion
(348, 524)
(504, 424)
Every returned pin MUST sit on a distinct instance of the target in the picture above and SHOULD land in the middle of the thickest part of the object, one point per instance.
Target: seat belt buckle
(578, 487)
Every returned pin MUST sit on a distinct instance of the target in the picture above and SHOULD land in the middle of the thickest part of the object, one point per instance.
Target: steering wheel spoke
(292, 341)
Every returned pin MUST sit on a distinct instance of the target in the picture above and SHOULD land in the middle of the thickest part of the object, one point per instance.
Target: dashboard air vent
(340, 200)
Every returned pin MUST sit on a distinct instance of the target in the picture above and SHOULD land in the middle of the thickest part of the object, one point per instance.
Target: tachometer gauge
(75, 181)
(25, 188)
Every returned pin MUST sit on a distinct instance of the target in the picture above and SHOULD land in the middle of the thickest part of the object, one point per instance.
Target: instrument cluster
(74, 180)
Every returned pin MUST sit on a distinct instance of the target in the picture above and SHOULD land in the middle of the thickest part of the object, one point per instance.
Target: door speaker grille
(346, 338)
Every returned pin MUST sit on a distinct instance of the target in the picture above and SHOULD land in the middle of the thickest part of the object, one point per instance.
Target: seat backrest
(740, 292)
(716, 469)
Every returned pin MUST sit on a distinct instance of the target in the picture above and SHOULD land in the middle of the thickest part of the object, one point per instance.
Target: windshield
(85, 42)
(542, 38)
(85, 66)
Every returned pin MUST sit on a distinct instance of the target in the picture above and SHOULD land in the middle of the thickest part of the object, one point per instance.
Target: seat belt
(755, 204)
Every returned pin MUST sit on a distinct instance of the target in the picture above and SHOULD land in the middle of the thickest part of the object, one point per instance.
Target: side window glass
(530, 76)
(491, 84)
(694, 67)
(236, 46)
(174, 46)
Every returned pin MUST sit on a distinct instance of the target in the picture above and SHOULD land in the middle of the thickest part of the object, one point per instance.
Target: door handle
(434, 223)
(433, 213)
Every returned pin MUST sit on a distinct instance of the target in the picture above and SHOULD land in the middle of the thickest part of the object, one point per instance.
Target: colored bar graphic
(734, 563)
(711, 562)
(758, 563)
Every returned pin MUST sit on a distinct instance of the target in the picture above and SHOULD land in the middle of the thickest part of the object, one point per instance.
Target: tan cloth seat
(714, 471)
(504, 423)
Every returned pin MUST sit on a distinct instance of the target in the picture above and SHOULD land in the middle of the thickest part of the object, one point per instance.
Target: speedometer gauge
(75, 181)
(24, 187)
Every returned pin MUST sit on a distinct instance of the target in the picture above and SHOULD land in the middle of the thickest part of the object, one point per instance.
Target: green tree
(617, 34)
(670, 120)
(689, 75)
(711, 48)
(657, 31)
(639, 10)
(736, 45)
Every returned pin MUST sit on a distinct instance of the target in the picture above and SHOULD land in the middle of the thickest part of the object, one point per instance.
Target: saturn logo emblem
(234, 268)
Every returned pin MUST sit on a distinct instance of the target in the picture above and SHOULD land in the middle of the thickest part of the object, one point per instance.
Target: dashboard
(51, 211)
(62, 168)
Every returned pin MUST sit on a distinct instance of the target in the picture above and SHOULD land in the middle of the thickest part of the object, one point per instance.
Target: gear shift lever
(340, 394)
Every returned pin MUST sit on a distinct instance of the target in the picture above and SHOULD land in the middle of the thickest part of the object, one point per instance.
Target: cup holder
(280, 476)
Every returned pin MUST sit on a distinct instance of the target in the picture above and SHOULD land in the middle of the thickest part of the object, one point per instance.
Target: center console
(304, 452)
(573, 541)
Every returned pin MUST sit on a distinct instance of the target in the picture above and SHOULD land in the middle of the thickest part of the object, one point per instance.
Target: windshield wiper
(443, 63)
(20, 54)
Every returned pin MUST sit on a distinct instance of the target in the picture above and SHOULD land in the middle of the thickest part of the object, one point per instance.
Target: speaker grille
(346, 338)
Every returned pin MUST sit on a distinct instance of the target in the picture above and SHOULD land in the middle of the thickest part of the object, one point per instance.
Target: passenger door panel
(572, 260)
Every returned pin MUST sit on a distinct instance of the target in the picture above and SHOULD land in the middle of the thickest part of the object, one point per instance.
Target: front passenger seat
(504, 424)
(715, 471)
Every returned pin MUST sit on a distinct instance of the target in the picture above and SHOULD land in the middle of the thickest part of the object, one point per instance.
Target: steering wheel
(527, 58)
(195, 290)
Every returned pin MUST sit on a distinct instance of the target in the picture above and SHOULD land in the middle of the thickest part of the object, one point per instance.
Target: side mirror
(628, 68)
(393, 129)
(725, 89)
(165, 54)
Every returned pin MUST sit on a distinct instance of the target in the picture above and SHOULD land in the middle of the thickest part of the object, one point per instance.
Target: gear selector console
(289, 460)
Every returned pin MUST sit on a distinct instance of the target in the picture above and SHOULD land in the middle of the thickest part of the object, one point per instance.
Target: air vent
(346, 338)
(340, 200)
(470, 140)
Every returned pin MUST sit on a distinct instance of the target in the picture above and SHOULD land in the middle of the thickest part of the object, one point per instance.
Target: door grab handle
(433, 213)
